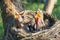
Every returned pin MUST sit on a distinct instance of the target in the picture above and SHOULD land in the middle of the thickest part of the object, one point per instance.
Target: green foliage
(1, 25)
(33, 6)
(56, 11)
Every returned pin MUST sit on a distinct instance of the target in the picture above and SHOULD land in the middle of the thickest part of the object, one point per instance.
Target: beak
(37, 16)
(16, 16)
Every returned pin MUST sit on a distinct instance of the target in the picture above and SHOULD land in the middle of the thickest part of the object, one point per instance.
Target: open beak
(37, 16)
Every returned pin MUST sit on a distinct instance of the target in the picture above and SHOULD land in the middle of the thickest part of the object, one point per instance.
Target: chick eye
(22, 16)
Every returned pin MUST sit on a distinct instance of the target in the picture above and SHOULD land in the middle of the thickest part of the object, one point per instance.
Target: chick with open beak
(39, 22)
(19, 20)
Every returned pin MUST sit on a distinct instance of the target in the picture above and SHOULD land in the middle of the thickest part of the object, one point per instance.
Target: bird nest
(40, 35)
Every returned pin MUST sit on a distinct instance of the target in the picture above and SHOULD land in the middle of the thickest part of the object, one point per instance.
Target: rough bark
(9, 9)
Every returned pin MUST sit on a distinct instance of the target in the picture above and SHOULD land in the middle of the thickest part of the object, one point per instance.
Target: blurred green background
(32, 5)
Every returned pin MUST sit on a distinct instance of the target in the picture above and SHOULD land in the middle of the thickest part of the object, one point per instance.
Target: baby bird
(39, 22)
(19, 20)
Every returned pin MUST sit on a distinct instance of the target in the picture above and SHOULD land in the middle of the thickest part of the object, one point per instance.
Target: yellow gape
(38, 15)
